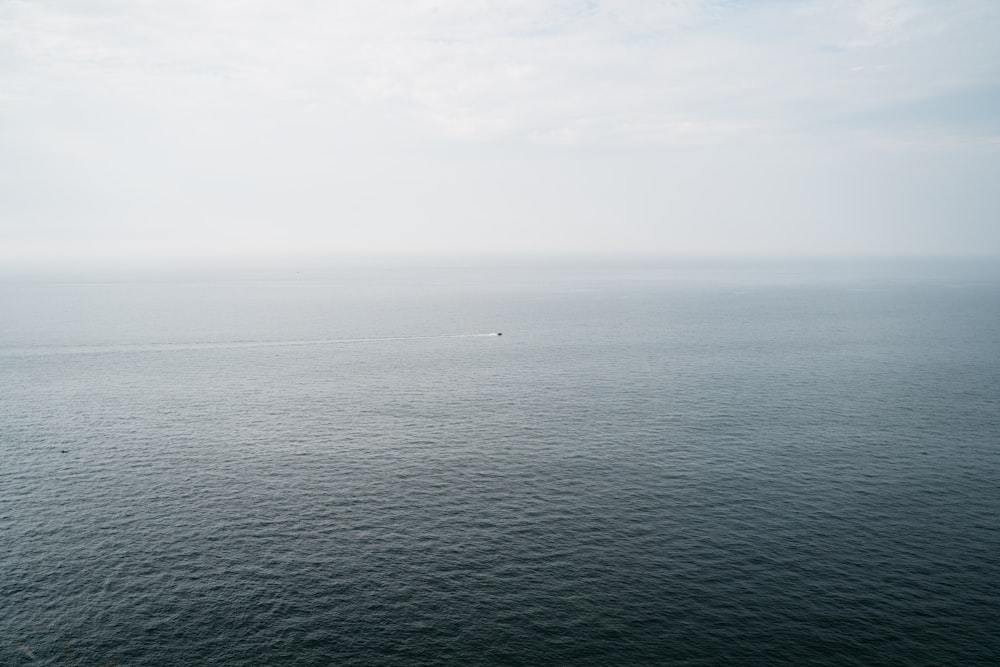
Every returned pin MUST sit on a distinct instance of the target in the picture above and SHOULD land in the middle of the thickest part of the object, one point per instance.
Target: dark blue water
(655, 464)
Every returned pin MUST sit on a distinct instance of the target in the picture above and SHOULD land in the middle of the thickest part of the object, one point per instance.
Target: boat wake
(215, 345)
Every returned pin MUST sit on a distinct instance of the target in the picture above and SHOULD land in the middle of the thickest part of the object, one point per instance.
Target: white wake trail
(216, 345)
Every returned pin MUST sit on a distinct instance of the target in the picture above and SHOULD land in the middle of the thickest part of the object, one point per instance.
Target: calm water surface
(655, 464)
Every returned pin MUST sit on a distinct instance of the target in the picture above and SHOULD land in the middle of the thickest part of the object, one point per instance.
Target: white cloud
(170, 120)
(483, 70)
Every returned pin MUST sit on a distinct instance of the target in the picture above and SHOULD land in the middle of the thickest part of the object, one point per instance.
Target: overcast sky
(148, 127)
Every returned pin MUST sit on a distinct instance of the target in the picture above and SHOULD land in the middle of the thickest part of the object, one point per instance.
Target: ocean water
(656, 463)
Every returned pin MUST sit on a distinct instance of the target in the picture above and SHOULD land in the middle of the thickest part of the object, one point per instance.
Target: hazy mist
(686, 128)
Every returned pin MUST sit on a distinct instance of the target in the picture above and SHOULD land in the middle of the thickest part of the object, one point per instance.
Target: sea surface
(657, 463)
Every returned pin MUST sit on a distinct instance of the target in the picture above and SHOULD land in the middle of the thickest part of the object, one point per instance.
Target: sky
(156, 128)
